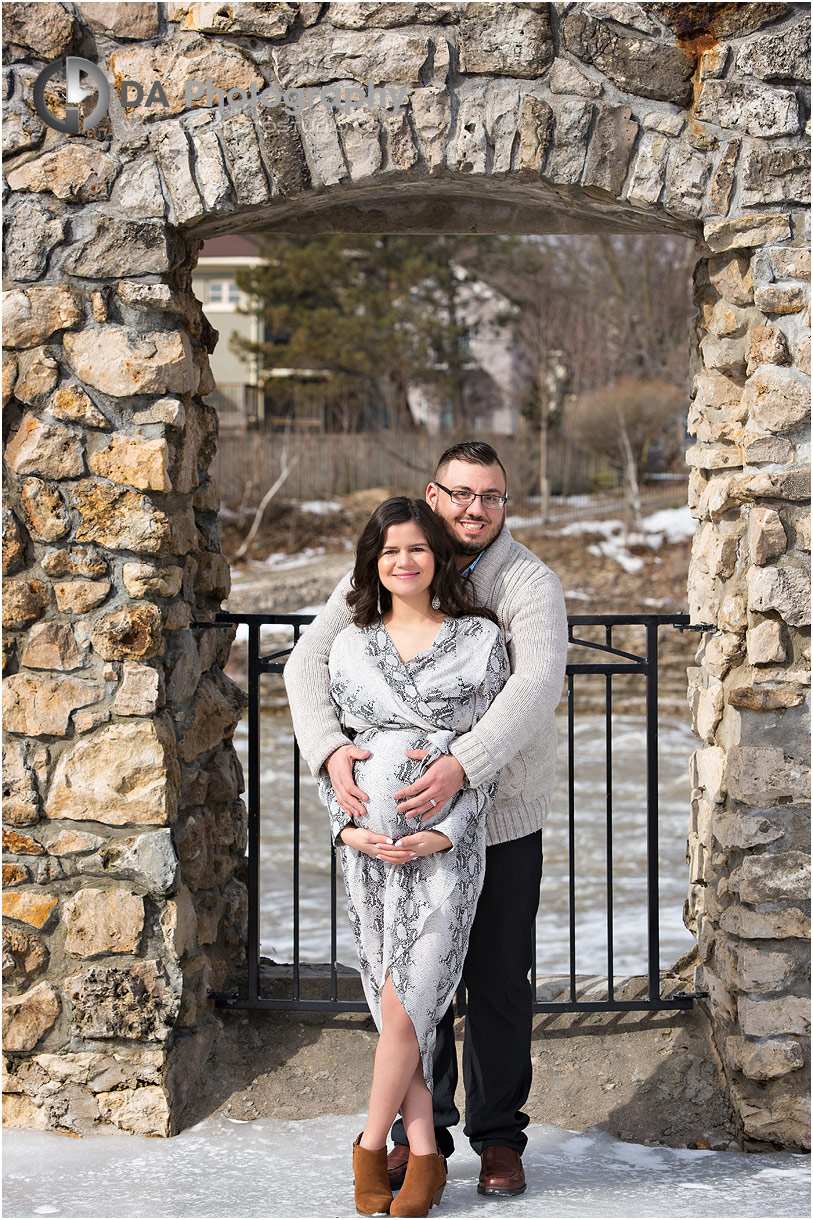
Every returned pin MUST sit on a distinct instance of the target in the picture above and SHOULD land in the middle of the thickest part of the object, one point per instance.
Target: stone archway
(123, 823)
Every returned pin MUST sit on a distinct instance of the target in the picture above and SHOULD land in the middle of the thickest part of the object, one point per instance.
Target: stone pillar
(750, 824)
(123, 825)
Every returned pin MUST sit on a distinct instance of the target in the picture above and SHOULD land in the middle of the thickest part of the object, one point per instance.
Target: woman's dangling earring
(435, 602)
(378, 599)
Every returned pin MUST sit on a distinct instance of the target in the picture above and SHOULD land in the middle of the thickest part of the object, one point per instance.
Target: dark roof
(231, 246)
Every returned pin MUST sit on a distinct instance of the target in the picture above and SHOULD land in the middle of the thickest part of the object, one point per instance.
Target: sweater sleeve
(307, 682)
(536, 622)
(455, 823)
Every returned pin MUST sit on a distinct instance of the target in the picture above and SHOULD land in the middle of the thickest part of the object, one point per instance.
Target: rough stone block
(521, 46)
(215, 711)
(33, 315)
(781, 57)
(766, 1059)
(27, 1017)
(764, 699)
(789, 923)
(31, 233)
(120, 519)
(37, 374)
(731, 275)
(785, 590)
(103, 921)
(638, 66)
(148, 580)
(79, 596)
(43, 511)
(137, 1002)
(766, 643)
(758, 970)
(571, 130)
(13, 543)
(52, 646)
(48, 450)
(123, 774)
(72, 172)
(759, 775)
(776, 175)
(21, 801)
(39, 706)
(139, 692)
(610, 149)
(81, 561)
(774, 877)
(133, 460)
(213, 577)
(23, 954)
(29, 906)
(23, 602)
(790, 263)
(121, 362)
(143, 1111)
(780, 298)
(139, 21)
(194, 841)
(45, 29)
(708, 772)
(768, 345)
(758, 110)
(179, 923)
(767, 536)
(132, 633)
(776, 399)
(763, 1018)
(746, 231)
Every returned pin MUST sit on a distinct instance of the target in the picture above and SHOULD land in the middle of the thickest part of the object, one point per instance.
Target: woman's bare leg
(398, 1081)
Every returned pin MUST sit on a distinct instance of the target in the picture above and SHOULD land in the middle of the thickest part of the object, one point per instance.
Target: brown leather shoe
(501, 1172)
(397, 1165)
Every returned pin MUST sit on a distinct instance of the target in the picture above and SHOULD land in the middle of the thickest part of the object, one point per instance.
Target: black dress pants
(497, 1041)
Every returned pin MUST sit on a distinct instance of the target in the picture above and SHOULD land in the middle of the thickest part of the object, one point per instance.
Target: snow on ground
(667, 525)
(320, 508)
(281, 1168)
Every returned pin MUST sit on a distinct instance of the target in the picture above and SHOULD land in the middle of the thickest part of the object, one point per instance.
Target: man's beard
(461, 545)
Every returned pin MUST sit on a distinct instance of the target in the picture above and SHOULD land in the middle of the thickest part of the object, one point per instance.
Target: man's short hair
(479, 453)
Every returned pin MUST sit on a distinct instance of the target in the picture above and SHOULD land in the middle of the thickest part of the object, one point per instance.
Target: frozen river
(628, 852)
(278, 1168)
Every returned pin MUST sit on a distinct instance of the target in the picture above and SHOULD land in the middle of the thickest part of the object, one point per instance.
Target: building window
(224, 293)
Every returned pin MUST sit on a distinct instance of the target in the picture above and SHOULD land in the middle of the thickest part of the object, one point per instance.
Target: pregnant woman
(418, 665)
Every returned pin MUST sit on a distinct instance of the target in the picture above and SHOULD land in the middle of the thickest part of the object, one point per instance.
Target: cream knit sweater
(517, 735)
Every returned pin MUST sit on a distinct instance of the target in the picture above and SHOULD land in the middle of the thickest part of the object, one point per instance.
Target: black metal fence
(602, 658)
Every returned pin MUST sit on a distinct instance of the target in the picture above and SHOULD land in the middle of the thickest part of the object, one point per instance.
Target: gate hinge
(693, 627)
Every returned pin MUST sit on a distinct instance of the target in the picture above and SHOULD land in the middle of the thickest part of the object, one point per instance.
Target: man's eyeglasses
(487, 499)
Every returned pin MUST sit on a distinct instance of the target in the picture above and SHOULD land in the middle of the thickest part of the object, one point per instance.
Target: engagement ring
(432, 803)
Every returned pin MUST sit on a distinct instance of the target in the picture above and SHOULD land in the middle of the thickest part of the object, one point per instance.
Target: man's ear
(432, 496)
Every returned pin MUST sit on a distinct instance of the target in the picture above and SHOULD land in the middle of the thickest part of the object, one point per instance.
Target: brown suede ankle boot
(373, 1193)
(423, 1185)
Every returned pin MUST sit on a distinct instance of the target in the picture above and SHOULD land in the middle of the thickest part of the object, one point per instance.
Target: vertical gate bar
(653, 913)
(608, 784)
(571, 831)
(334, 951)
(296, 838)
(253, 947)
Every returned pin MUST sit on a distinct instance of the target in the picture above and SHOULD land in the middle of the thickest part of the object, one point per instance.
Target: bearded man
(515, 737)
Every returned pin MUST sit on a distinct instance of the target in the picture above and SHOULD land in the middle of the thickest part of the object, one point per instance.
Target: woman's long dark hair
(368, 598)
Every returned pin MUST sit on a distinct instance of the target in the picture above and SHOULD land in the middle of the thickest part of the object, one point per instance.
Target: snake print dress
(412, 921)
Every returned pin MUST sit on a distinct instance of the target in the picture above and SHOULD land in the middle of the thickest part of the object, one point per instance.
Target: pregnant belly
(385, 772)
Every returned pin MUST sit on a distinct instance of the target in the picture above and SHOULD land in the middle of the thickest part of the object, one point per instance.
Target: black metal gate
(611, 663)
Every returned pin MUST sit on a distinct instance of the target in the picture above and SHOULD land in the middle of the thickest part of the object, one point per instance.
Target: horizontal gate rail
(622, 663)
